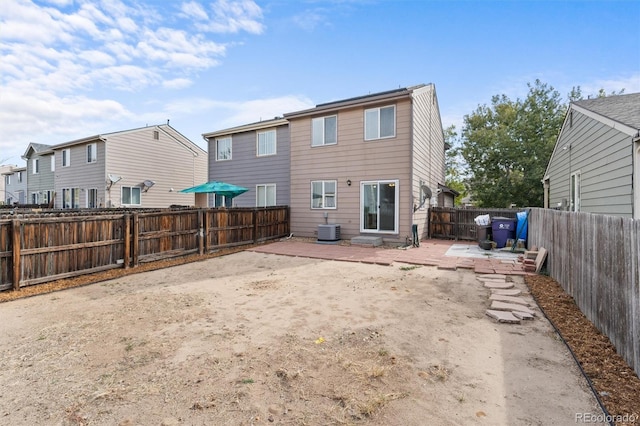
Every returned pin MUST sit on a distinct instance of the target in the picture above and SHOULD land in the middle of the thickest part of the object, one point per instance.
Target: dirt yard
(259, 339)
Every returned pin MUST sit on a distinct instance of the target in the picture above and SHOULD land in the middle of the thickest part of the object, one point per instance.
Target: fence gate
(459, 224)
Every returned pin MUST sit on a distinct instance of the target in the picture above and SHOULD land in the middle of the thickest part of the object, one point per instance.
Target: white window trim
(324, 138)
(35, 166)
(230, 148)
(66, 157)
(53, 163)
(379, 123)
(275, 143)
(575, 198)
(94, 153)
(275, 194)
(88, 192)
(396, 222)
(7, 179)
(131, 188)
(335, 195)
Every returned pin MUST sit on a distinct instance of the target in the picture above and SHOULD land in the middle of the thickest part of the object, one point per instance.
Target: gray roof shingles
(624, 109)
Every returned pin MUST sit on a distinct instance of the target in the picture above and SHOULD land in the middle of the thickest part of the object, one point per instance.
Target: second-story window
(36, 165)
(223, 149)
(53, 163)
(7, 180)
(19, 177)
(325, 131)
(266, 143)
(66, 157)
(92, 153)
(380, 123)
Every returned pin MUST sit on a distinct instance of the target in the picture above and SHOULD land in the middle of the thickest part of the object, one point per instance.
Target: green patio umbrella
(219, 188)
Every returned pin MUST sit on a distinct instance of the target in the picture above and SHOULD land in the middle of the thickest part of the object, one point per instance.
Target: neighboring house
(40, 173)
(255, 156)
(144, 167)
(596, 159)
(371, 164)
(14, 185)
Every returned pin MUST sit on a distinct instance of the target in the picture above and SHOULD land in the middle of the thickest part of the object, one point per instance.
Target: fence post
(135, 241)
(16, 254)
(127, 241)
(201, 235)
(255, 225)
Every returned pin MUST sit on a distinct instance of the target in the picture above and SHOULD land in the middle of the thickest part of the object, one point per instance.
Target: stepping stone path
(506, 305)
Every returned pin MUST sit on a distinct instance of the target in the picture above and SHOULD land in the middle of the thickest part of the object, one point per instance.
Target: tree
(454, 164)
(507, 146)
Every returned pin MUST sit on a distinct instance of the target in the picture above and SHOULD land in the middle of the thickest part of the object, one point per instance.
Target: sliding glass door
(379, 206)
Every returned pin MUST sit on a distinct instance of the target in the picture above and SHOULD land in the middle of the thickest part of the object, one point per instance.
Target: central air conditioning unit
(328, 232)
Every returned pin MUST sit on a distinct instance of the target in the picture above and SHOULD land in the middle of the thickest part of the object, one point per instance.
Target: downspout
(412, 212)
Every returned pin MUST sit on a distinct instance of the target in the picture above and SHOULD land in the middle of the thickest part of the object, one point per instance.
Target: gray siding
(248, 170)
(604, 158)
(16, 191)
(80, 174)
(428, 151)
(41, 181)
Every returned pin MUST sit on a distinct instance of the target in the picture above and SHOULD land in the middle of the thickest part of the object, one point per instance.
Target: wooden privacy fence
(35, 249)
(459, 224)
(595, 258)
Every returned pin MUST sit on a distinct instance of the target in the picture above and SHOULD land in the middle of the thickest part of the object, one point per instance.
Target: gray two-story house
(14, 184)
(40, 173)
(255, 156)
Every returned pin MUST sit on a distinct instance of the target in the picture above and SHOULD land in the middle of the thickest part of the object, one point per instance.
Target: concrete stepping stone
(513, 307)
(503, 316)
(495, 276)
(522, 315)
(507, 292)
(509, 299)
(498, 285)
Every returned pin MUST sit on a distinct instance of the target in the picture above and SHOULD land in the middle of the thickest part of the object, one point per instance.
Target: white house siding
(136, 156)
(248, 170)
(428, 151)
(604, 158)
(352, 158)
(15, 191)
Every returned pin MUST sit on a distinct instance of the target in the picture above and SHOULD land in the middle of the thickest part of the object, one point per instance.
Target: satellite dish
(426, 193)
(149, 183)
(114, 178)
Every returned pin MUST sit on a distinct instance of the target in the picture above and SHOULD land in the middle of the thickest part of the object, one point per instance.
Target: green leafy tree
(455, 168)
(507, 146)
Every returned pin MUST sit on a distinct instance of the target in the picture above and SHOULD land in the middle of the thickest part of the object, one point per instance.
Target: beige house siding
(137, 156)
(428, 152)
(354, 159)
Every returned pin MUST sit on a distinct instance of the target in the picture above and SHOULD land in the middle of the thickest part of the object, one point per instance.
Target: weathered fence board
(459, 224)
(39, 248)
(595, 259)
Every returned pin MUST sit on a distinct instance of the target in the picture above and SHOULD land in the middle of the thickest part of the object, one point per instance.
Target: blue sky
(74, 68)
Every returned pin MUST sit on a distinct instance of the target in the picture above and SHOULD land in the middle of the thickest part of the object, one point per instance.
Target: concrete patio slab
(509, 299)
(509, 292)
(512, 307)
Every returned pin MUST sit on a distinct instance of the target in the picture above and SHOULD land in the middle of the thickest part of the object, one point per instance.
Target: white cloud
(235, 16)
(194, 10)
(177, 83)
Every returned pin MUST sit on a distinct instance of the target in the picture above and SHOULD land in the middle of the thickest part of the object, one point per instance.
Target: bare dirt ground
(258, 339)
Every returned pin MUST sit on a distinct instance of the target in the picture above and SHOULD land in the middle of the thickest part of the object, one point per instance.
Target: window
(266, 143)
(34, 198)
(266, 195)
(66, 157)
(222, 201)
(325, 131)
(19, 177)
(156, 135)
(574, 195)
(7, 180)
(130, 195)
(53, 163)
(323, 194)
(92, 198)
(47, 197)
(92, 154)
(71, 198)
(223, 149)
(380, 123)
(35, 163)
